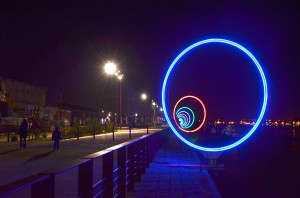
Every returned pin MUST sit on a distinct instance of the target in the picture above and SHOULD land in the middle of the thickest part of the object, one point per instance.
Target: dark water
(268, 165)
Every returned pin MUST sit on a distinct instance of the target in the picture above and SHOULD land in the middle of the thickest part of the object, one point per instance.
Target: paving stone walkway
(175, 173)
(16, 163)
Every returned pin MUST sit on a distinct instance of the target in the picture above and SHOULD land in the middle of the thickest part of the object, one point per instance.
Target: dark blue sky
(63, 45)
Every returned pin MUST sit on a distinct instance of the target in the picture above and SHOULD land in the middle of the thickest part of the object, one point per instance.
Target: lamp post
(144, 98)
(110, 68)
(120, 77)
(153, 106)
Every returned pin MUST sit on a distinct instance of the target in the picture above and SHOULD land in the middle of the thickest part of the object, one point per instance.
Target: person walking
(23, 132)
(56, 136)
(0, 123)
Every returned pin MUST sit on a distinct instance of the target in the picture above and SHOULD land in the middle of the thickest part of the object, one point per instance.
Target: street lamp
(120, 77)
(135, 118)
(110, 68)
(144, 98)
(153, 106)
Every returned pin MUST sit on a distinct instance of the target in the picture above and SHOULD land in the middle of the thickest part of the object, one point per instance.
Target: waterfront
(267, 165)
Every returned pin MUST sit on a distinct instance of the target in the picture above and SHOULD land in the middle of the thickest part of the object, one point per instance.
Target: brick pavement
(18, 163)
(174, 174)
(161, 178)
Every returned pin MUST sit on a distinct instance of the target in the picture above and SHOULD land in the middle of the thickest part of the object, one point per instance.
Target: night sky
(63, 45)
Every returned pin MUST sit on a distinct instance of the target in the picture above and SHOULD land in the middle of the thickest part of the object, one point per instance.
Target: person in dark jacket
(56, 136)
(23, 132)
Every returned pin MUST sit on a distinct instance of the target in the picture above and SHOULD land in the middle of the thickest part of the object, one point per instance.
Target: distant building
(23, 92)
(16, 96)
(19, 99)
(79, 114)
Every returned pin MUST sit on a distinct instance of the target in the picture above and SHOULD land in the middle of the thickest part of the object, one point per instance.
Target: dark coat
(23, 131)
(56, 135)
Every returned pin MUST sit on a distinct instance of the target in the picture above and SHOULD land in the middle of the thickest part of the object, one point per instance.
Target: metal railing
(122, 166)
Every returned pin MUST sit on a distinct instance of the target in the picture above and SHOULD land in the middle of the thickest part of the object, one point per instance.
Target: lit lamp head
(120, 76)
(110, 68)
(144, 96)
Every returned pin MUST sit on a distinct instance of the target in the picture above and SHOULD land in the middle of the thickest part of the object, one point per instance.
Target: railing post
(147, 153)
(130, 180)
(85, 179)
(143, 156)
(108, 174)
(122, 164)
(43, 188)
(137, 153)
(150, 148)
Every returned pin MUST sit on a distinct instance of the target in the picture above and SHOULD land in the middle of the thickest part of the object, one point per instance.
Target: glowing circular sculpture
(264, 87)
(204, 114)
(185, 117)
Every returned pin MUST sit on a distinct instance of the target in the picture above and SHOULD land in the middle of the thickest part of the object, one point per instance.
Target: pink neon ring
(204, 112)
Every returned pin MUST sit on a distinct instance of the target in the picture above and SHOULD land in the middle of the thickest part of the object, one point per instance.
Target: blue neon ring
(265, 98)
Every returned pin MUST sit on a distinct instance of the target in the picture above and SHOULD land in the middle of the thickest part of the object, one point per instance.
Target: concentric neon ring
(264, 87)
(188, 122)
(204, 113)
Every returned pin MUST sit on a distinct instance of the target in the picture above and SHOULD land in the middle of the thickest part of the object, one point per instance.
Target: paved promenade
(18, 163)
(175, 173)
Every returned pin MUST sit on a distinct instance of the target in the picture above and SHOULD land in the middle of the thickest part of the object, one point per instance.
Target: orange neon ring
(204, 112)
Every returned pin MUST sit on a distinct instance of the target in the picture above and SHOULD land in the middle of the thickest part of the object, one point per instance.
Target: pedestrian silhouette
(23, 132)
(56, 136)
(105, 126)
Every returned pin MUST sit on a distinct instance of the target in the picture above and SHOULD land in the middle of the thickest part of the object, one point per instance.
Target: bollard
(130, 132)
(94, 132)
(113, 132)
(78, 133)
(147, 129)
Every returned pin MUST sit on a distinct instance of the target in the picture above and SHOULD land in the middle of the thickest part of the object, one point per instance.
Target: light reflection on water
(265, 166)
(224, 135)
